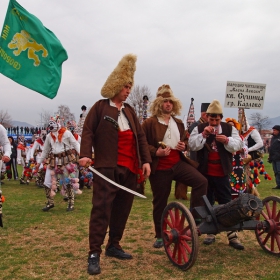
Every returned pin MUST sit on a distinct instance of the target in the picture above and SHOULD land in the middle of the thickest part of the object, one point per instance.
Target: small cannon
(247, 212)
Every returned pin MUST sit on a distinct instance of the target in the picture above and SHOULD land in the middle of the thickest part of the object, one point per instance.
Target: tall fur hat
(165, 92)
(215, 108)
(122, 75)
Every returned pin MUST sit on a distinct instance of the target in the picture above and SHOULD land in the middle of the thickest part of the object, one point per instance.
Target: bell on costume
(59, 162)
(77, 157)
(70, 155)
(65, 159)
(52, 162)
(47, 160)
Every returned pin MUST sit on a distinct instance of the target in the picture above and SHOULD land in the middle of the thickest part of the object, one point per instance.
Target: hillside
(275, 121)
(23, 124)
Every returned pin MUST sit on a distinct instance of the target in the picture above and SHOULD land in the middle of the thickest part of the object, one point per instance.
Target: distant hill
(274, 121)
(23, 124)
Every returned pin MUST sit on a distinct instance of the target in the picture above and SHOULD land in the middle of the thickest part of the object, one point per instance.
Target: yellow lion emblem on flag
(23, 41)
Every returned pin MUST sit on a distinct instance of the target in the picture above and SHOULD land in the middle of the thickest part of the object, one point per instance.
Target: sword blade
(115, 184)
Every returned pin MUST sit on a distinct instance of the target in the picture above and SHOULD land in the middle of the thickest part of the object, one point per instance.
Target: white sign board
(245, 95)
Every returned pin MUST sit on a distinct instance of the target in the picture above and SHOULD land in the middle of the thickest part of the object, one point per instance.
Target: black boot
(93, 264)
(21, 181)
(48, 207)
(70, 207)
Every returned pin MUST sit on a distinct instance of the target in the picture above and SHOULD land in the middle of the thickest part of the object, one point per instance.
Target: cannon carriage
(247, 212)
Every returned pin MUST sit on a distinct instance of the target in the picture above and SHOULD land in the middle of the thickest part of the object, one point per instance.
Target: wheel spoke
(261, 232)
(172, 217)
(277, 217)
(186, 246)
(186, 238)
(175, 250)
(183, 252)
(277, 240)
(185, 229)
(267, 206)
(274, 208)
(168, 222)
(179, 254)
(181, 223)
(266, 238)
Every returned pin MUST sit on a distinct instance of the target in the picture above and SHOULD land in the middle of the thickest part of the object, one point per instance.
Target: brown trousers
(161, 186)
(110, 207)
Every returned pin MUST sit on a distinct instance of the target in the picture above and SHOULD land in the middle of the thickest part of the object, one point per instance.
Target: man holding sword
(121, 154)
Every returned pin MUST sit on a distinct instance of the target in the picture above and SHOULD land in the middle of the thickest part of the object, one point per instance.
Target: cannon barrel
(244, 208)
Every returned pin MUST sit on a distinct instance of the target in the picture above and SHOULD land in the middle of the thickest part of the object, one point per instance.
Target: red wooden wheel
(179, 235)
(269, 237)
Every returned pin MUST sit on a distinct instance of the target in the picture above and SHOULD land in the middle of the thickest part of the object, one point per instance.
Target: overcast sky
(194, 46)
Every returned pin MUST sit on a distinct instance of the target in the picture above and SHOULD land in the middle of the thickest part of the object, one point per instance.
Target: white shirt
(257, 138)
(4, 141)
(122, 120)
(197, 141)
(36, 147)
(172, 134)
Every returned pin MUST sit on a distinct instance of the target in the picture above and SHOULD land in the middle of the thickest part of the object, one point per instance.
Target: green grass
(54, 245)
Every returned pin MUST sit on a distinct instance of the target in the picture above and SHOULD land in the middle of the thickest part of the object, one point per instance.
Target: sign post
(245, 95)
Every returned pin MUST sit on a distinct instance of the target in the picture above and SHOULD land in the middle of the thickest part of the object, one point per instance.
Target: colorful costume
(59, 157)
(35, 153)
(71, 126)
(255, 150)
(23, 156)
(237, 177)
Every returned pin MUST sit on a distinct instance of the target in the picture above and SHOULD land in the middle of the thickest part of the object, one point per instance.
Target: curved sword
(114, 183)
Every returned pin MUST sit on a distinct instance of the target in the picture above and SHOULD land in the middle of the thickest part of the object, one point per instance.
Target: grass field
(54, 245)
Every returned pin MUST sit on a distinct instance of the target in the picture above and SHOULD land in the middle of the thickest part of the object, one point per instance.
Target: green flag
(30, 54)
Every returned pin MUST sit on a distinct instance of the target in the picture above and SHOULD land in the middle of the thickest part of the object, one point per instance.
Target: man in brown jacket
(121, 151)
(166, 138)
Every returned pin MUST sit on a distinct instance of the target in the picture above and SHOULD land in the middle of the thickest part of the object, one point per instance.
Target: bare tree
(5, 119)
(259, 122)
(44, 118)
(135, 99)
(65, 114)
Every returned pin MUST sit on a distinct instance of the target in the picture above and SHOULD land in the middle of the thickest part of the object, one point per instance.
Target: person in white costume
(59, 157)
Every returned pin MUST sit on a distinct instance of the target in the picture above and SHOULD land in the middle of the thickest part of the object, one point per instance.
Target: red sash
(168, 161)
(214, 165)
(127, 151)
